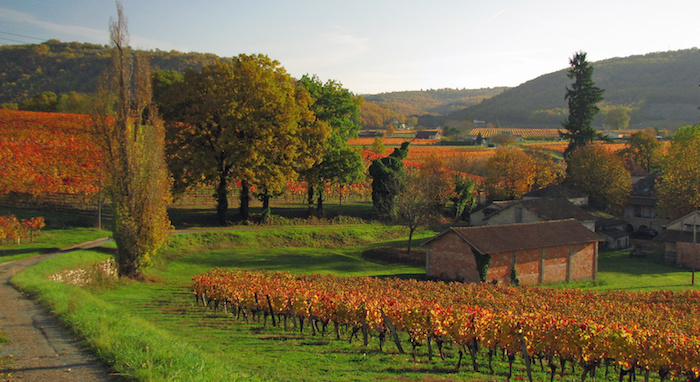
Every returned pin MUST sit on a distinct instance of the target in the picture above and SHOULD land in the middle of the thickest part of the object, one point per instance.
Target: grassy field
(48, 241)
(153, 330)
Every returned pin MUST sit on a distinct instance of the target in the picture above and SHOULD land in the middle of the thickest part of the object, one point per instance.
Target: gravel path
(39, 348)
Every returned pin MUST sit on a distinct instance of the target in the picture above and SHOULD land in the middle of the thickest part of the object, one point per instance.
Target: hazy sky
(378, 46)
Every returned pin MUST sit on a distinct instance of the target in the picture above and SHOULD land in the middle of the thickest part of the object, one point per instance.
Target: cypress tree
(583, 98)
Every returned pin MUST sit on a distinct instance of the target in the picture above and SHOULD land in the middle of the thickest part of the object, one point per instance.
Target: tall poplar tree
(583, 98)
(132, 136)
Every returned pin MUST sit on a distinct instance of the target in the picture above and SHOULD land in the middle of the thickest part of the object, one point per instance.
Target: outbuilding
(528, 253)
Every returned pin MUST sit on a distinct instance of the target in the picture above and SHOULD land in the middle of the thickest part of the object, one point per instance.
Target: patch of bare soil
(393, 255)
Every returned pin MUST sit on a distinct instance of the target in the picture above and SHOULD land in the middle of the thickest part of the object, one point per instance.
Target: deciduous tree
(510, 173)
(583, 98)
(547, 170)
(340, 164)
(617, 118)
(503, 140)
(423, 195)
(602, 175)
(247, 121)
(679, 189)
(644, 149)
(138, 183)
(277, 134)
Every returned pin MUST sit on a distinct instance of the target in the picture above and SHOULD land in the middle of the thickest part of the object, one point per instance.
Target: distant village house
(680, 241)
(428, 134)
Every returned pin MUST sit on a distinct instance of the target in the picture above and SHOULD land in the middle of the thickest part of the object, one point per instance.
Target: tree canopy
(600, 174)
(679, 189)
(510, 173)
(644, 149)
(340, 164)
(245, 121)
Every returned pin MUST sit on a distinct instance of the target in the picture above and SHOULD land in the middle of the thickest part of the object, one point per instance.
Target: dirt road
(39, 348)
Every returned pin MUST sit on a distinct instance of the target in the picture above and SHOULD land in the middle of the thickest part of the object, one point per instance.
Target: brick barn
(542, 253)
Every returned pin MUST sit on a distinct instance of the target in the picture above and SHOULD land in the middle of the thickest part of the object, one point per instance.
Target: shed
(540, 253)
(680, 242)
(428, 134)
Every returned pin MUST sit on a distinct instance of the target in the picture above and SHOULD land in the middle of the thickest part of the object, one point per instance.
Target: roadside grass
(134, 347)
(50, 240)
(154, 331)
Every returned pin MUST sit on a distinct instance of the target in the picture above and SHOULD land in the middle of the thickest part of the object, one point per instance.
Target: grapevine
(652, 331)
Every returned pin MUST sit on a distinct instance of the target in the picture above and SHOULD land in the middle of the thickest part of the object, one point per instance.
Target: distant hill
(658, 89)
(425, 105)
(26, 70)
(440, 101)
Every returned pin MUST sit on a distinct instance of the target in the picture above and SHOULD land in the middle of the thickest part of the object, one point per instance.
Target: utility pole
(695, 230)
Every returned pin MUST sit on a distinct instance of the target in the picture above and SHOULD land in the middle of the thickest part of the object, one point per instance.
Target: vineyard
(14, 230)
(655, 332)
(47, 153)
(489, 132)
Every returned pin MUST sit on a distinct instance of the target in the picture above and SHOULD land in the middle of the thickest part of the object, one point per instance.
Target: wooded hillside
(657, 89)
(53, 66)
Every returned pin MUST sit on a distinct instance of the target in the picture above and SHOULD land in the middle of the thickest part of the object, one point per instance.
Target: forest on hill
(656, 89)
(54, 66)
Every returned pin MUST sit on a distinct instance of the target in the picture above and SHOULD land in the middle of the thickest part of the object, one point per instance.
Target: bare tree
(422, 198)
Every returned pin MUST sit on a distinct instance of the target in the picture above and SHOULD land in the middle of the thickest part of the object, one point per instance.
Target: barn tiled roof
(515, 237)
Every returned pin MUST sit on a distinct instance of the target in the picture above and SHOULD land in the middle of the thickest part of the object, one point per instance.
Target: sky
(376, 46)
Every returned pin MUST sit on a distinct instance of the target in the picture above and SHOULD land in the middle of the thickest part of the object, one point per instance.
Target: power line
(21, 35)
(9, 39)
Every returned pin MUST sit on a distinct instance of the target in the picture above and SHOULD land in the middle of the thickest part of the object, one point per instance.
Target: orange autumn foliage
(43, 153)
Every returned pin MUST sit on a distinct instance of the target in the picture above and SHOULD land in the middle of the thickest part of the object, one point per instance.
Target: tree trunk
(410, 238)
(266, 211)
(222, 199)
(319, 206)
(310, 200)
(244, 209)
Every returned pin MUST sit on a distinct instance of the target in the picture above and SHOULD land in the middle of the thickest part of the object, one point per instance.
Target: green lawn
(50, 240)
(154, 331)
(617, 270)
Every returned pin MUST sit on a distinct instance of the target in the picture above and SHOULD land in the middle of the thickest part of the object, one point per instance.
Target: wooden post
(392, 329)
(568, 263)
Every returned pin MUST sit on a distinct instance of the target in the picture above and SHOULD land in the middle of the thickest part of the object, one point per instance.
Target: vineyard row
(652, 332)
